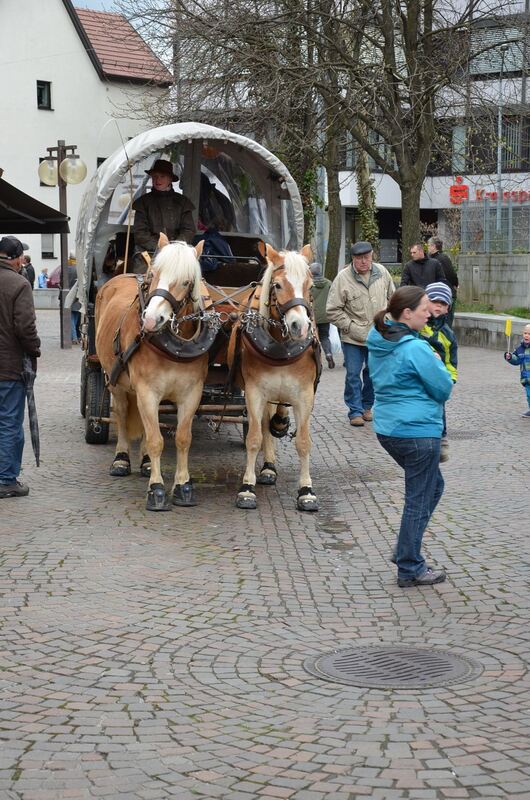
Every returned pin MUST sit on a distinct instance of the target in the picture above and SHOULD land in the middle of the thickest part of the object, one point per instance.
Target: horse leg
(307, 500)
(183, 494)
(280, 422)
(148, 404)
(121, 465)
(267, 475)
(256, 405)
(145, 461)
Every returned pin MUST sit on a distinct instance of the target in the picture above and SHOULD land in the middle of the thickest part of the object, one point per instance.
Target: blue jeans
(12, 402)
(424, 486)
(75, 316)
(358, 389)
(527, 389)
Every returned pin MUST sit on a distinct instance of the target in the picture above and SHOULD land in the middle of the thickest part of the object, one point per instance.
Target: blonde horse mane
(178, 261)
(295, 265)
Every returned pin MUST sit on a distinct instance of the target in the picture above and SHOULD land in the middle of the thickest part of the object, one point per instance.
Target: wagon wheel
(82, 386)
(97, 405)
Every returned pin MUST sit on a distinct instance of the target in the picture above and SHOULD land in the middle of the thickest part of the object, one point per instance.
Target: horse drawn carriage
(183, 331)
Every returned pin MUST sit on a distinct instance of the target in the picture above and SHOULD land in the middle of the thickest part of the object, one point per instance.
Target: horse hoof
(183, 495)
(267, 476)
(121, 466)
(279, 426)
(306, 500)
(145, 467)
(246, 497)
(157, 499)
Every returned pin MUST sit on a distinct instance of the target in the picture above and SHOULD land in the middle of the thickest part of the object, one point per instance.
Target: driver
(162, 210)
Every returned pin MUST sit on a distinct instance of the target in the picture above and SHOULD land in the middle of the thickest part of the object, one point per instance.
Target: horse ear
(273, 256)
(199, 248)
(307, 253)
(262, 249)
(162, 240)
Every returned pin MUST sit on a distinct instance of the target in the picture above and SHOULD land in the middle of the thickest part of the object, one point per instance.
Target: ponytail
(404, 297)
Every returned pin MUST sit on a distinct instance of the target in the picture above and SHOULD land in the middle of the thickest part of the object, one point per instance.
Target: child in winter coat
(442, 340)
(521, 358)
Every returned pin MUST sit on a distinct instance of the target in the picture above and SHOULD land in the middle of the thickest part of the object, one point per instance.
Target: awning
(20, 213)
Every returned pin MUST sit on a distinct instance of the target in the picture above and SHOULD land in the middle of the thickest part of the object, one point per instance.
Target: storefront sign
(516, 196)
(459, 191)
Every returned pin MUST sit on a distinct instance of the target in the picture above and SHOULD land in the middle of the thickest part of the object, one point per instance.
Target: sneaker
(357, 422)
(527, 414)
(427, 578)
(15, 489)
(331, 362)
(367, 415)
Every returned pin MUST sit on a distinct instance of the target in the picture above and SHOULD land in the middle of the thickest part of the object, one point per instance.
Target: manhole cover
(392, 667)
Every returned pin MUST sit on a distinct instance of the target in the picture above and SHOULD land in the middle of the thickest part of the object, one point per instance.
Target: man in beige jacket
(358, 292)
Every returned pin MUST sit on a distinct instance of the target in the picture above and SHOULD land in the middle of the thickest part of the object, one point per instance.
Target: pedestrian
(28, 271)
(18, 337)
(75, 308)
(162, 210)
(521, 358)
(411, 385)
(435, 250)
(42, 280)
(421, 270)
(359, 291)
(438, 333)
(319, 296)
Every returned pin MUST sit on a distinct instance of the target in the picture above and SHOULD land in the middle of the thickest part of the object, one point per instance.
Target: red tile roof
(119, 50)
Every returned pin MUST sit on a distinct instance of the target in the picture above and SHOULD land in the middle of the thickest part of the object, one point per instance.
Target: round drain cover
(392, 667)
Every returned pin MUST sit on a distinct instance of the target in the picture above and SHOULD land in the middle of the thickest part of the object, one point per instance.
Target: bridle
(283, 308)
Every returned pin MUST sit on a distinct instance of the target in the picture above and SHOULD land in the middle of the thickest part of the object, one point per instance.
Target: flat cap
(361, 248)
(12, 247)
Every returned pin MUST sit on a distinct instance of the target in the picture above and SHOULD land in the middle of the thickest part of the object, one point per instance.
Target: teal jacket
(410, 383)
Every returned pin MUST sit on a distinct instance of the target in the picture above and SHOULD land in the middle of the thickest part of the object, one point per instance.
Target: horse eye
(186, 283)
(277, 286)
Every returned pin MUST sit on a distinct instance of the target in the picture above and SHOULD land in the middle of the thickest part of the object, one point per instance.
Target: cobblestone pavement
(159, 656)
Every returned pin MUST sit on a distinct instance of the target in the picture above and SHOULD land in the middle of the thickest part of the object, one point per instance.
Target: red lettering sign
(458, 192)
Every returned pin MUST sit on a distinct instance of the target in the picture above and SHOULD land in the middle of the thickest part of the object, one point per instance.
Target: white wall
(49, 48)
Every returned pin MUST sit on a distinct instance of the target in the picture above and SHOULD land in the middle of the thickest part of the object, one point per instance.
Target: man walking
(28, 270)
(18, 336)
(435, 248)
(358, 292)
(421, 270)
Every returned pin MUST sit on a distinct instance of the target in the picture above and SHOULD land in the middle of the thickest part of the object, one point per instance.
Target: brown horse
(276, 348)
(149, 376)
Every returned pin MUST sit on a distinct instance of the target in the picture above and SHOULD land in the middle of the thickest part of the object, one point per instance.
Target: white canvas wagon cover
(278, 210)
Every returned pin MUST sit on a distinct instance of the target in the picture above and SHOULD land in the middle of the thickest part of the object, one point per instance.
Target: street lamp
(71, 170)
(503, 48)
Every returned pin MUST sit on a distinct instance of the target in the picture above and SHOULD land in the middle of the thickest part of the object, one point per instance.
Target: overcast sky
(98, 5)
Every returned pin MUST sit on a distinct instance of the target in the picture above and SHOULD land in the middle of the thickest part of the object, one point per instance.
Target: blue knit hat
(439, 291)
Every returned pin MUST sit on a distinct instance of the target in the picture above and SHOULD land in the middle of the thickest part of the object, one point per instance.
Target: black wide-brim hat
(163, 166)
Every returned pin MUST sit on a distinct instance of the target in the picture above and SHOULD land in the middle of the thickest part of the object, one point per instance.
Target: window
(47, 245)
(44, 95)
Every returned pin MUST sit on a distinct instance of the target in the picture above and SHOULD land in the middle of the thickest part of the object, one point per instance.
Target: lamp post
(503, 48)
(71, 170)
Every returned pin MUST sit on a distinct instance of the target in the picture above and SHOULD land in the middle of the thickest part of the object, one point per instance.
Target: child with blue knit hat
(440, 336)
(521, 358)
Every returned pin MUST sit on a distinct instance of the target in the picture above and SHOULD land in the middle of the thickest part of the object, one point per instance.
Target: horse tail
(135, 429)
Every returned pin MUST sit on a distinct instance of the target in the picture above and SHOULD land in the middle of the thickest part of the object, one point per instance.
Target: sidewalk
(159, 656)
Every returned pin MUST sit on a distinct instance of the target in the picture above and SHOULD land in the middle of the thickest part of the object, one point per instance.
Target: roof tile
(120, 49)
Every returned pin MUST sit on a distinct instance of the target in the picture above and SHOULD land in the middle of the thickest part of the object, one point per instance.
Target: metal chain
(213, 319)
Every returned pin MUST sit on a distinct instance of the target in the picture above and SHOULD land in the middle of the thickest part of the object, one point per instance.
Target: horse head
(176, 281)
(286, 289)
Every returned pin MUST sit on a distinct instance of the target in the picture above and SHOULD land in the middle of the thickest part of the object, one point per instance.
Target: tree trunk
(334, 221)
(410, 217)
(366, 201)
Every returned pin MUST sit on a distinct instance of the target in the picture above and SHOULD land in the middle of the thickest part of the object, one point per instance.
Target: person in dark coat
(162, 210)
(319, 296)
(435, 248)
(421, 270)
(28, 270)
(18, 336)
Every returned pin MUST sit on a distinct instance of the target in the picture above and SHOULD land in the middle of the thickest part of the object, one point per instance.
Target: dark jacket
(521, 358)
(18, 329)
(451, 276)
(422, 272)
(162, 212)
(29, 273)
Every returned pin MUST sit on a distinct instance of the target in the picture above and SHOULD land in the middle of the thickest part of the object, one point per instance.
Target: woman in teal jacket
(411, 385)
